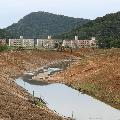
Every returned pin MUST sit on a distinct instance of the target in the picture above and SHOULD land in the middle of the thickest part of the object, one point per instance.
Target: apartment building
(47, 43)
(25, 43)
(28, 43)
(80, 43)
(52, 43)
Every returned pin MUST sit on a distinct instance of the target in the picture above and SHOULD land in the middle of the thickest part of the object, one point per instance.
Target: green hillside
(4, 34)
(106, 29)
(42, 24)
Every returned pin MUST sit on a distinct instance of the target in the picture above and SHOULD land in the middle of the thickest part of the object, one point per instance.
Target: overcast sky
(12, 10)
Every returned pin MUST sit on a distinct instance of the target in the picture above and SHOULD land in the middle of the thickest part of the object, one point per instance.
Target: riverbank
(96, 73)
(15, 102)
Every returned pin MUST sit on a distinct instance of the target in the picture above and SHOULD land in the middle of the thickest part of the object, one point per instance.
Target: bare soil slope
(15, 103)
(96, 72)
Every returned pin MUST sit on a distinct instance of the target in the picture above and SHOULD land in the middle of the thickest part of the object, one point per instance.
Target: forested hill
(106, 29)
(42, 24)
(4, 34)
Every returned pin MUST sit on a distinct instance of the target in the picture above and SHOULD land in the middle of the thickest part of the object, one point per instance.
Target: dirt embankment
(96, 73)
(15, 103)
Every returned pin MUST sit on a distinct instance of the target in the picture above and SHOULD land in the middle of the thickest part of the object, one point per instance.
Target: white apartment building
(28, 43)
(15, 42)
(47, 43)
(80, 43)
(50, 43)
(25, 43)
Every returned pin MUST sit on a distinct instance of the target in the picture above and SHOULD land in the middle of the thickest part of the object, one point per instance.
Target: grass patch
(6, 48)
(89, 87)
(39, 102)
(3, 48)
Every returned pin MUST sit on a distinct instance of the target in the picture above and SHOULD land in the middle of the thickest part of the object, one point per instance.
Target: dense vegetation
(106, 29)
(3, 48)
(42, 24)
(4, 34)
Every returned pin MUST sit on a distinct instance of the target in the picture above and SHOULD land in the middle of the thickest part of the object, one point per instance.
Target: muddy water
(67, 101)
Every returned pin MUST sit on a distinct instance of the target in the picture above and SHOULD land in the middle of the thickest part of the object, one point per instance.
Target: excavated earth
(15, 102)
(95, 72)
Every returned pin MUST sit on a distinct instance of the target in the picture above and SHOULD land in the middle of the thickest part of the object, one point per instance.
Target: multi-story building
(16, 42)
(86, 43)
(25, 43)
(28, 43)
(47, 43)
(52, 43)
(69, 43)
(80, 43)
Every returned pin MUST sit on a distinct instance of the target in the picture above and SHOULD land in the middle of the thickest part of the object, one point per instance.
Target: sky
(11, 11)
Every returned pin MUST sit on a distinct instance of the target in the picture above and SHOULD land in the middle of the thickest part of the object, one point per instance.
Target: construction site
(95, 72)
